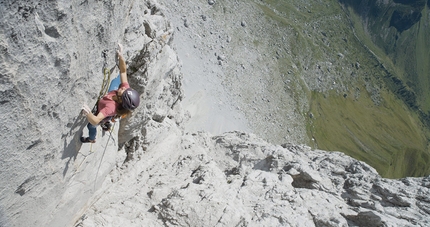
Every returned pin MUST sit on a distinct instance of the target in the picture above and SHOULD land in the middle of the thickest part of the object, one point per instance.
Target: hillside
(396, 33)
(299, 72)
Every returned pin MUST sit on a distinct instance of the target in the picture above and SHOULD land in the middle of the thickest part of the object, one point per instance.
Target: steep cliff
(52, 58)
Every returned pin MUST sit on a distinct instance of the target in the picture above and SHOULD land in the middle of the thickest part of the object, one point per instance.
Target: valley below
(309, 73)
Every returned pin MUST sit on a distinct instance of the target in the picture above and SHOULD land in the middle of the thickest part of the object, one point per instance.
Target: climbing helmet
(130, 99)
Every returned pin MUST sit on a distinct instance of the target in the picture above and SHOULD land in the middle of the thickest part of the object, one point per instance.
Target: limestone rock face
(52, 61)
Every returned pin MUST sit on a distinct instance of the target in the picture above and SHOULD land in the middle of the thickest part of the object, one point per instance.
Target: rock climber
(119, 101)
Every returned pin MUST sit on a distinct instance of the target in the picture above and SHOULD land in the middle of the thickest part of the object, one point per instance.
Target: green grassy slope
(387, 136)
(359, 101)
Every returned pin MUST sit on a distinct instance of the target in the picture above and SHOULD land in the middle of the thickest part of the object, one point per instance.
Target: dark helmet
(130, 99)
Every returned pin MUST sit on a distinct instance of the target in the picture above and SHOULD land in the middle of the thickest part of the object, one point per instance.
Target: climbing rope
(103, 91)
(106, 79)
(106, 82)
(105, 85)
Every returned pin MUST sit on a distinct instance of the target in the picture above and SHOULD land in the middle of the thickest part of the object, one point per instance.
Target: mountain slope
(396, 32)
(352, 94)
(301, 72)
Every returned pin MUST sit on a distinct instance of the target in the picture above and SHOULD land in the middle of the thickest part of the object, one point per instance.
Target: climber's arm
(122, 65)
(95, 120)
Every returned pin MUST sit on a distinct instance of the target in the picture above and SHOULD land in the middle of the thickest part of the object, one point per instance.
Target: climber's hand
(122, 65)
(85, 110)
(119, 50)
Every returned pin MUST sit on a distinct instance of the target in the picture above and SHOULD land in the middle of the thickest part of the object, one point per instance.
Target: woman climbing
(120, 101)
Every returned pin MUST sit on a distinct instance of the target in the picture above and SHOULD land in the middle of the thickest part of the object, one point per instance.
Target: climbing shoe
(87, 140)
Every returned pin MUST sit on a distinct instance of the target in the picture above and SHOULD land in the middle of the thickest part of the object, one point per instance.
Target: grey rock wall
(52, 58)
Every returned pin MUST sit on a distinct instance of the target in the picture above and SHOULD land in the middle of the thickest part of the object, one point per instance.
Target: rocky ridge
(237, 179)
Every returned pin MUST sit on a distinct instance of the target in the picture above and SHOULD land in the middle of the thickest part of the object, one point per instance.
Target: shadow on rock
(72, 146)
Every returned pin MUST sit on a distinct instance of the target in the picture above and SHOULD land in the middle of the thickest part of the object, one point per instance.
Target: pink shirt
(107, 106)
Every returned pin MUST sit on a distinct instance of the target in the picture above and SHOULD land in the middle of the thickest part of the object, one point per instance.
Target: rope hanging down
(103, 92)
